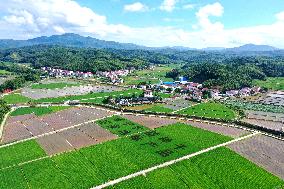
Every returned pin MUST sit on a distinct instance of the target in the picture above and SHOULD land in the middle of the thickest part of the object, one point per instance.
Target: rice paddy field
(210, 110)
(215, 169)
(159, 109)
(139, 149)
(152, 76)
(38, 110)
(16, 98)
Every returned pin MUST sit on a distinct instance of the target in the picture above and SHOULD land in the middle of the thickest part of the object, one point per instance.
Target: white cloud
(168, 5)
(280, 16)
(24, 19)
(203, 14)
(188, 6)
(136, 7)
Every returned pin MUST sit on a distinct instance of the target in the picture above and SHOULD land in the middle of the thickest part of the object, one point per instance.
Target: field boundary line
(171, 162)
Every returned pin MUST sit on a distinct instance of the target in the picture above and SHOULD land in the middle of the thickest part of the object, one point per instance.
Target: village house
(59, 73)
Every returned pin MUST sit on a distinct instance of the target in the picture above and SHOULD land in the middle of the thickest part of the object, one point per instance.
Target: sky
(154, 23)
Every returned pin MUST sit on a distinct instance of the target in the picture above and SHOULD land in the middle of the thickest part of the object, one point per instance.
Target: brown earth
(265, 151)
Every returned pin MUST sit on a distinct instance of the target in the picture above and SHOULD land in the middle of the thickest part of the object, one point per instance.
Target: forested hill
(232, 73)
(68, 40)
(82, 59)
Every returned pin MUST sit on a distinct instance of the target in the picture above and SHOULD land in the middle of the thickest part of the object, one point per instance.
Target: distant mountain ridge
(69, 40)
(75, 40)
(252, 47)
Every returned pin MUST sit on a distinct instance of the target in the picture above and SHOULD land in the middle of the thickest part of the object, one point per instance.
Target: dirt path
(3, 123)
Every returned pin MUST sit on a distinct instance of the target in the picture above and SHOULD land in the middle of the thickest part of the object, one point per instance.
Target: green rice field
(95, 165)
(38, 110)
(210, 110)
(16, 99)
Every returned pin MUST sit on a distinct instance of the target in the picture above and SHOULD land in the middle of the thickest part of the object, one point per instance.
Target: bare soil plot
(150, 122)
(265, 151)
(86, 135)
(22, 127)
(20, 118)
(77, 138)
(74, 90)
(82, 114)
(177, 104)
(55, 121)
(52, 93)
(228, 131)
(54, 144)
(269, 116)
(37, 127)
(15, 131)
(97, 132)
(102, 88)
(267, 124)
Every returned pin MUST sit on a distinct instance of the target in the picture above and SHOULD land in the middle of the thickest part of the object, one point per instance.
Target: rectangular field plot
(267, 116)
(15, 131)
(228, 131)
(77, 138)
(55, 121)
(45, 174)
(210, 110)
(37, 126)
(54, 144)
(12, 178)
(264, 151)
(82, 114)
(150, 122)
(19, 153)
(97, 132)
(120, 126)
(20, 118)
(267, 124)
(221, 168)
